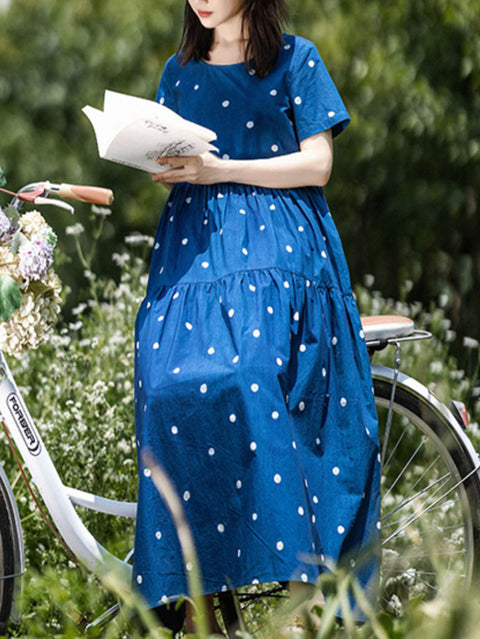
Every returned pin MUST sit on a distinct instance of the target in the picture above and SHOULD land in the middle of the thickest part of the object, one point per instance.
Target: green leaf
(10, 297)
(3, 179)
(12, 214)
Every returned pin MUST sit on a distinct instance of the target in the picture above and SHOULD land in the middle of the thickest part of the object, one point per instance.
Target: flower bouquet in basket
(29, 288)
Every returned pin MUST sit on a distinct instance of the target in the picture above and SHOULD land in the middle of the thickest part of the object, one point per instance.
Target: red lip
(205, 14)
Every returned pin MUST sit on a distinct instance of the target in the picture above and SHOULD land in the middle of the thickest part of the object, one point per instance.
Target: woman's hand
(199, 169)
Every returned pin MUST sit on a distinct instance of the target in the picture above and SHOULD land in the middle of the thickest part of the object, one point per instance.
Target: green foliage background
(405, 187)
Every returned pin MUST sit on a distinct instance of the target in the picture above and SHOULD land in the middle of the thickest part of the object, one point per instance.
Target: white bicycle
(430, 475)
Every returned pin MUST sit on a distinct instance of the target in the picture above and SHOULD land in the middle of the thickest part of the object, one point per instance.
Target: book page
(152, 141)
(136, 132)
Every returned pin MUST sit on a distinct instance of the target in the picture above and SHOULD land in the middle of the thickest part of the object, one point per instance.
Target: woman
(253, 384)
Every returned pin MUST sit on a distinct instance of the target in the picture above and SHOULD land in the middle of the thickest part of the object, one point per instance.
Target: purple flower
(6, 229)
(36, 257)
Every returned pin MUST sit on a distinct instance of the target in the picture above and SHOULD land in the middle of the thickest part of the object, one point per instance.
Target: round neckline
(211, 64)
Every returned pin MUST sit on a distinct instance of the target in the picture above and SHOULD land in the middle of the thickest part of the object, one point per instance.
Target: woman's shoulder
(298, 51)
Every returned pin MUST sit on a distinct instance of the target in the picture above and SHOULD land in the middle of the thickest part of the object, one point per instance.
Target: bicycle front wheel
(430, 495)
(11, 552)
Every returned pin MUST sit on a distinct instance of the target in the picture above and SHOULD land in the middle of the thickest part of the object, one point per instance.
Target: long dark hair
(262, 20)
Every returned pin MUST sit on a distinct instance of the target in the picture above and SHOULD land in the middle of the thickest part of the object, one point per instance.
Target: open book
(136, 132)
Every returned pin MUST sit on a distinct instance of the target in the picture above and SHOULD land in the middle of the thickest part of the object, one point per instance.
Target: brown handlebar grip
(93, 194)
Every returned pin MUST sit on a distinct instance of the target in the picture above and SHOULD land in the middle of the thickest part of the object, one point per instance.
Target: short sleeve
(165, 94)
(316, 103)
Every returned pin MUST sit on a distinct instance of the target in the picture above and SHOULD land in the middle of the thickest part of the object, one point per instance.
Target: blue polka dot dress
(252, 381)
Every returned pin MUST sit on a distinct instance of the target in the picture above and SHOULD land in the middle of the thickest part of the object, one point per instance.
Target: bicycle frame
(58, 498)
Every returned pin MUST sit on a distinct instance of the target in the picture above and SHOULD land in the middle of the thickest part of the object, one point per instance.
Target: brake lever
(58, 203)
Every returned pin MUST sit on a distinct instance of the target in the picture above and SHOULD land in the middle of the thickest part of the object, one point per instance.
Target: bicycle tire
(430, 495)
(11, 552)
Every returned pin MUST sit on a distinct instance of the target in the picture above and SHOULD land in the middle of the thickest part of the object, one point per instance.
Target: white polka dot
(139, 579)
(279, 361)
(294, 445)
(379, 459)
(331, 114)
(254, 388)
(255, 581)
(186, 495)
(211, 351)
(245, 251)
(238, 485)
(158, 534)
(220, 196)
(314, 519)
(231, 312)
(379, 525)
(273, 92)
(251, 71)
(311, 63)
(301, 406)
(367, 430)
(185, 241)
(315, 499)
(324, 255)
(149, 304)
(304, 577)
(296, 316)
(262, 227)
(286, 284)
(302, 348)
(203, 388)
(235, 359)
(298, 100)
(162, 100)
(225, 103)
(233, 418)
(196, 87)
(239, 553)
(205, 264)
(300, 229)
(301, 511)
(275, 414)
(343, 402)
(250, 124)
(334, 341)
(164, 599)
(188, 326)
(254, 516)
(189, 566)
(336, 470)
(140, 384)
(361, 333)
(171, 218)
(211, 452)
(221, 528)
(277, 478)
(274, 148)
(156, 346)
(242, 212)
(252, 288)
(174, 430)
(280, 545)
(161, 318)
(177, 83)
(225, 156)
(324, 372)
(256, 333)
(188, 200)
(287, 47)
(340, 530)
(253, 446)
(272, 207)
(270, 310)
(147, 472)
(289, 249)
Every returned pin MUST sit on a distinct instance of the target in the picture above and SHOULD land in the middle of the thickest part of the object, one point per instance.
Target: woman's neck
(229, 42)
